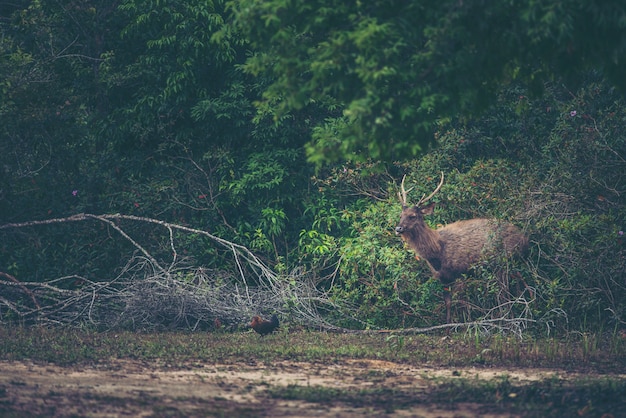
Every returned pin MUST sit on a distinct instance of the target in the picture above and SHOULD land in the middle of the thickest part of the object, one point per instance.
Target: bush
(555, 167)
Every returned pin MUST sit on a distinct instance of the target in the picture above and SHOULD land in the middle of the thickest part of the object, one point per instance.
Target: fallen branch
(150, 293)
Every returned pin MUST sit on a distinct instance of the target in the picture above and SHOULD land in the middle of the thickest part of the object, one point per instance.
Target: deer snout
(399, 230)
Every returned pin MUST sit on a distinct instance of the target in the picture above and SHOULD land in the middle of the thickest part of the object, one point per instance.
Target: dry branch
(149, 292)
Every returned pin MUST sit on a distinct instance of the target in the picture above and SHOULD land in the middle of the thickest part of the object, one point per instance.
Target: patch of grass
(586, 397)
(378, 398)
(70, 346)
(318, 394)
(550, 397)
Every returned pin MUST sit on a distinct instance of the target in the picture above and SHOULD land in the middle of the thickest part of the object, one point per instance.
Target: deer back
(464, 243)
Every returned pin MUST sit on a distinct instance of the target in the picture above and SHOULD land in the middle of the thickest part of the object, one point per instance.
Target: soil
(141, 389)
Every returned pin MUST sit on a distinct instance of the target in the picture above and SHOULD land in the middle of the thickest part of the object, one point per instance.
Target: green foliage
(172, 79)
(205, 115)
(377, 275)
(146, 114)
(400, 69)
(581, 204)
(555, 169)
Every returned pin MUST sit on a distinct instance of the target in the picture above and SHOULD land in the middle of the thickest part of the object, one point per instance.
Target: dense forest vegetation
(283, 129)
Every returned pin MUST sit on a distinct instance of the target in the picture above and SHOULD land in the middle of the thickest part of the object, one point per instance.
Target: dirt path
(133, 388)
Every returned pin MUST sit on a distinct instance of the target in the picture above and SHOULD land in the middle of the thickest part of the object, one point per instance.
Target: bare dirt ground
(141, 389)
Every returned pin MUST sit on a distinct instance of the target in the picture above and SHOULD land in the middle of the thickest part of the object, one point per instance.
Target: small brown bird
(263, 326)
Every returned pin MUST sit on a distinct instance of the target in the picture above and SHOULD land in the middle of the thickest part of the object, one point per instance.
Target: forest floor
(305, 389)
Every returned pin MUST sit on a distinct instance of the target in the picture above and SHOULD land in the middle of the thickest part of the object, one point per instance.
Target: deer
(452, 250)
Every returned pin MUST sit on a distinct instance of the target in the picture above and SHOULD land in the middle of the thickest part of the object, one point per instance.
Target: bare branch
(146, 295)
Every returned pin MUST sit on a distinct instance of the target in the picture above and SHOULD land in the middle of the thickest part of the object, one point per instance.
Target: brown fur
(451, 251)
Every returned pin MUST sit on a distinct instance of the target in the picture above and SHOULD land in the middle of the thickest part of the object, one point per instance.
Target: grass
(597, 394)
(66, 346)
(577, 398)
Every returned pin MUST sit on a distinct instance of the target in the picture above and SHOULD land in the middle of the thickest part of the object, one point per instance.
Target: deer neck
(425, 242)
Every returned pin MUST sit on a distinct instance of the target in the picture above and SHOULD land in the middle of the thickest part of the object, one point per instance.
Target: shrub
(556, 168)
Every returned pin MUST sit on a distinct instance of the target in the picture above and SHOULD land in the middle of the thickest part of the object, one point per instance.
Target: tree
(140, 107)
(399, 69)
(50, 55)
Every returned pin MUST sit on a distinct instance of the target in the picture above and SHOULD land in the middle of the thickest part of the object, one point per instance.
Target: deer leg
(447, 299)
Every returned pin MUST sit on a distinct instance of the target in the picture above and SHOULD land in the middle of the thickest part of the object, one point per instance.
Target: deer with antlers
(452, 250)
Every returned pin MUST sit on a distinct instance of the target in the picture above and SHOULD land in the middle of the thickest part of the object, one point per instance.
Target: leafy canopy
(400, 68)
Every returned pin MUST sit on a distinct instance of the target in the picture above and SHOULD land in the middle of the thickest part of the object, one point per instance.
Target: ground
(139, 388)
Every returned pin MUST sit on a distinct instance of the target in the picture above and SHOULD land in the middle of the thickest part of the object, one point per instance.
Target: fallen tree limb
(150, 293)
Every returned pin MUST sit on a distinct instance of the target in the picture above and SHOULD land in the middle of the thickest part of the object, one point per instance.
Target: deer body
(452, 250)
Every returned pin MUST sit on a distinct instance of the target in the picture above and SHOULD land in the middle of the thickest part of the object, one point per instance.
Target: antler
(422, 200)
(402, 193)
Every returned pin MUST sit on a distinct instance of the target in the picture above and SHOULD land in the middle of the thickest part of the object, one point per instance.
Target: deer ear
(428, 209)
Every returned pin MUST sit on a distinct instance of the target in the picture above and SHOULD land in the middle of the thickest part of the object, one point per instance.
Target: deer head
(413, 214)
